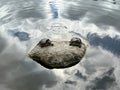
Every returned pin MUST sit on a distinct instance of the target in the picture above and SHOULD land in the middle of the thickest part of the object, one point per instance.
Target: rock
(58, 54)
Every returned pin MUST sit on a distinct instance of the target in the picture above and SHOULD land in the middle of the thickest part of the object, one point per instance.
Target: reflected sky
(24, 22)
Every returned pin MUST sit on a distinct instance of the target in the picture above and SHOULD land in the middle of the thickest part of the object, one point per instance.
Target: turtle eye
(45, 42)
(75, 42)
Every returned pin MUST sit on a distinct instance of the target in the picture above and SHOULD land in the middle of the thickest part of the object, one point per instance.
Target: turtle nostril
(75, 42)
(45, 42)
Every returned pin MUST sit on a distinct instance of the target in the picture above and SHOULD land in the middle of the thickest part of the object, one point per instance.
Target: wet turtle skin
(58, 54)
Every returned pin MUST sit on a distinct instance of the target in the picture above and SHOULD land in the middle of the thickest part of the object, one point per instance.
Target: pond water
(23, 23)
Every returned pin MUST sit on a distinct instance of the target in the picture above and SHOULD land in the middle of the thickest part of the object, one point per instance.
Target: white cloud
(15, 66)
